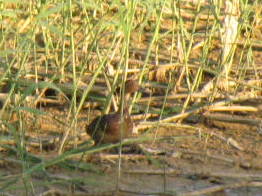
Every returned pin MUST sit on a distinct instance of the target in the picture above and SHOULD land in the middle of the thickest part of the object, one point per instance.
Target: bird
(111, 128)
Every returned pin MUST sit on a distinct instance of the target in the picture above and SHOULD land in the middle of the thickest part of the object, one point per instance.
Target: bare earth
(215, 158)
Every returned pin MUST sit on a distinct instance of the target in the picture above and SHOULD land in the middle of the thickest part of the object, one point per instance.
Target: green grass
(47, 44)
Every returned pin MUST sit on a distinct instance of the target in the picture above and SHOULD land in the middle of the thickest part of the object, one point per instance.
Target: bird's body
(108, 128)
(111, 128)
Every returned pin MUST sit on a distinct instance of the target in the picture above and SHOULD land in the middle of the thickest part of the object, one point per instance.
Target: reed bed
(194, 57)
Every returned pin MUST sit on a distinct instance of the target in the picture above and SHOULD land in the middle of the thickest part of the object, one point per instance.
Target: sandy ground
(215, 158)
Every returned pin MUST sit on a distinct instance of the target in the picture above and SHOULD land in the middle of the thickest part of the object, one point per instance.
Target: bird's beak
(144, 90)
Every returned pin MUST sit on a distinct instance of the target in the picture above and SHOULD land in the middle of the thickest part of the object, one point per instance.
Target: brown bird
(108, 128)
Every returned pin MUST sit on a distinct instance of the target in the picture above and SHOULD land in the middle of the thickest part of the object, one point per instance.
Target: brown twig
(218, 188)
